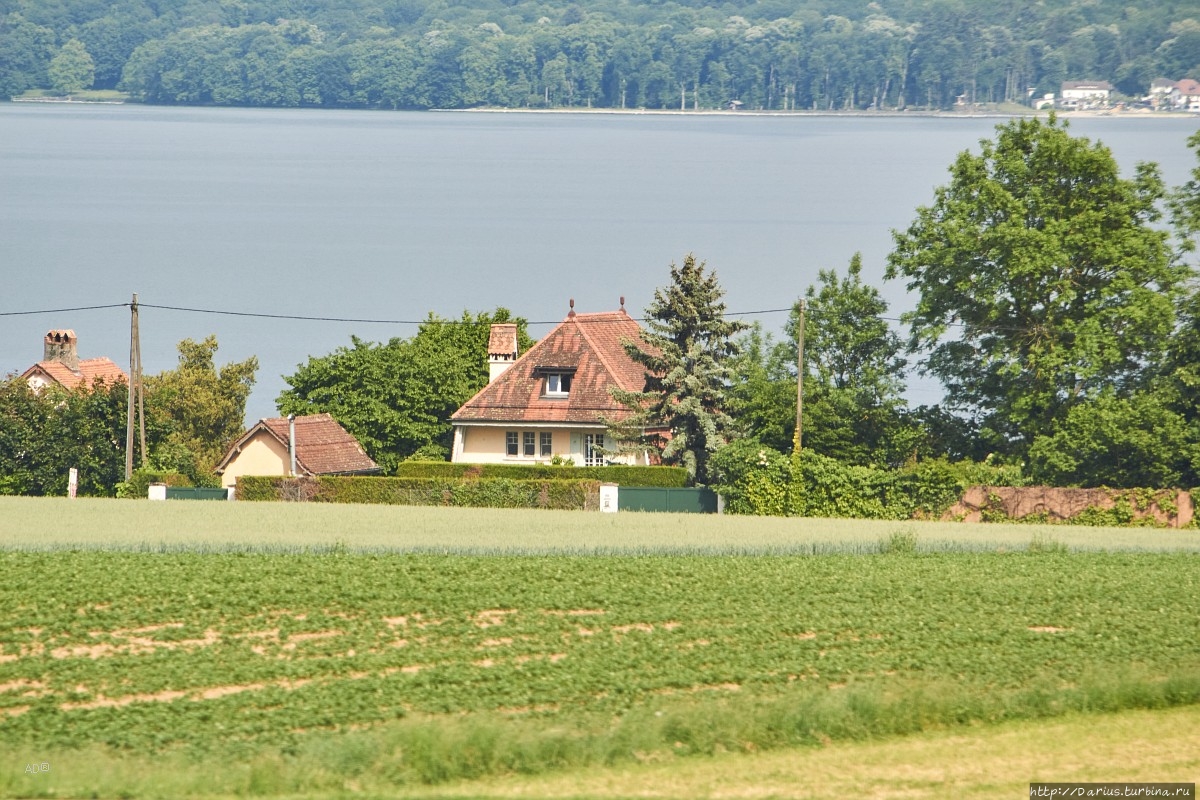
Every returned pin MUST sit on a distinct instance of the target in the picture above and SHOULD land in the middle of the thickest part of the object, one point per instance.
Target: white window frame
(593, 447)
(558, 384)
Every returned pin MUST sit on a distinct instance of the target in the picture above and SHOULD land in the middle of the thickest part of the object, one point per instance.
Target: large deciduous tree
(72, 70)
(685, 349)
(202, 408)
(854, 372)
(1041, 279)
(396, 397)
(853, 410)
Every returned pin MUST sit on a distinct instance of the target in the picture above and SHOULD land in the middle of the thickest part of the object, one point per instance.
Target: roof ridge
(599, 351)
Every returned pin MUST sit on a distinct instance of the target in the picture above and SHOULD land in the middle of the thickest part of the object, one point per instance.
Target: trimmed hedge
(482, 493)
(656, 477)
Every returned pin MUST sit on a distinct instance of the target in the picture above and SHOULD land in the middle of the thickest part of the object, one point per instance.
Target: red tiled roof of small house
(323, 447)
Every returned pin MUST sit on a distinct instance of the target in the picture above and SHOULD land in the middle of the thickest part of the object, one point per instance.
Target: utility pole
(800, 378)
(137, 404)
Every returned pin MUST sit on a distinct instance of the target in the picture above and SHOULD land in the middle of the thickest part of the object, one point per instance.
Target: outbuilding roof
(323, 447)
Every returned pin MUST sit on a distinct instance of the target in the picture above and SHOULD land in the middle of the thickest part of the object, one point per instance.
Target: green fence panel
(196, 493)
(680, 501)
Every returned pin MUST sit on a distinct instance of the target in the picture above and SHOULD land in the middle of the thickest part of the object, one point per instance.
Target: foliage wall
(810, 54)
(485, 493)
(660, 477)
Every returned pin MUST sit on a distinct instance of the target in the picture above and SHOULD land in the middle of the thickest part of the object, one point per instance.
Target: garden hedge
(481, 493)
(656, 477)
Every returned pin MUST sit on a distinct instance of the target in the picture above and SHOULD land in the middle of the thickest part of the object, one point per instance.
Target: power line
(369, 321)
(61, 310)
(373, 321)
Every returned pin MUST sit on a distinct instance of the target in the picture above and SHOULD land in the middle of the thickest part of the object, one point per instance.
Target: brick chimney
(502, 348)
(62, 346)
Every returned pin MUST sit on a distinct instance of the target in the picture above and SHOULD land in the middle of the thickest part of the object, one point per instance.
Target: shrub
(479, 493)
(752, 477)
(658, 477)
(138, 485)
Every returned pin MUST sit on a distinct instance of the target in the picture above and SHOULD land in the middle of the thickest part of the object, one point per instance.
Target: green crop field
(52, 523)
(266, 648)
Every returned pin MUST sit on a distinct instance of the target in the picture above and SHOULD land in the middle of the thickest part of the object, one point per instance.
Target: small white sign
(608, 498)
(72, 482)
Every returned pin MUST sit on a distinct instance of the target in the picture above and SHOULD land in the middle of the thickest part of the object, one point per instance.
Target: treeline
(812, 54)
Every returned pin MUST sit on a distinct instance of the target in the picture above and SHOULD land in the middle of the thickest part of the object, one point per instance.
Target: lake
(387, 216)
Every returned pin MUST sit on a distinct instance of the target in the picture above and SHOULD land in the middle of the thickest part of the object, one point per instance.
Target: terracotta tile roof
(323, 447)
(1188, 87)
(587, 344)
(90, 371)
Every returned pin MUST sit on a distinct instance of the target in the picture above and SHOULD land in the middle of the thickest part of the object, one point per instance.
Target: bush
(479, 493)
(138, 485)
(752, 477)
(657, 477)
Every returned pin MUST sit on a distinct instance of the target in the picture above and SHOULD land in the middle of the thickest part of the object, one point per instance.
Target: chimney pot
(62, 346)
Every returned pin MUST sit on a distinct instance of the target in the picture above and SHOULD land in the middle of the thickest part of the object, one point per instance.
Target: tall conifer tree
(685, 348)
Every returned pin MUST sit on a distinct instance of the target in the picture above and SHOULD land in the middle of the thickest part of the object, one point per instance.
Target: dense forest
(764, 54)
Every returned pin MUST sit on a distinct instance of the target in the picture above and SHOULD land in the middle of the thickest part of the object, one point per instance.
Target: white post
(72, 482)
(292, 444)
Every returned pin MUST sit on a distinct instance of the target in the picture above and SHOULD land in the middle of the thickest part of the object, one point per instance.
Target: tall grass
(434, 750)
(213, 526)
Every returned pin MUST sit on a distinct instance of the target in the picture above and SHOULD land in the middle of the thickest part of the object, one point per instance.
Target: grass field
(48, 523)
(215, 649)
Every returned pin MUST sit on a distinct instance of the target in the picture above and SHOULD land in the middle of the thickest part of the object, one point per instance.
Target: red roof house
(323, 447)
(61, 365)
(553, 400)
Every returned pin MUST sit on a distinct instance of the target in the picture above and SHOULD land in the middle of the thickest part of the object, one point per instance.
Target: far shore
(977, 113)
(892, 113)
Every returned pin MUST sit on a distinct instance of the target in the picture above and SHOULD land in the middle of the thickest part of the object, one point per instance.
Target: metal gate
(681, 501)
(196, 493)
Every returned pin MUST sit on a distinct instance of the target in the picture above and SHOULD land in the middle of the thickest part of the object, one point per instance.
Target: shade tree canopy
(1041, 279)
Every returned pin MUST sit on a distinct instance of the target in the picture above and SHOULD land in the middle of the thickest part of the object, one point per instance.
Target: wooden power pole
(800, 379)
(137, 400)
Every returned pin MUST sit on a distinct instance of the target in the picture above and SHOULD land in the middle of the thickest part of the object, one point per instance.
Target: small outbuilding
(320, 446)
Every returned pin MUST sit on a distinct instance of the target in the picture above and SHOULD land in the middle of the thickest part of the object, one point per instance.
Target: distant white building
(1085, 94)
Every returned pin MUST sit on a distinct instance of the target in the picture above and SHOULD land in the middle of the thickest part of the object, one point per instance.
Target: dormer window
(558, 384)
(556, 379)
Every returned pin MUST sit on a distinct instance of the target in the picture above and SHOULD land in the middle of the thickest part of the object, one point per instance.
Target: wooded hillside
(810, 54)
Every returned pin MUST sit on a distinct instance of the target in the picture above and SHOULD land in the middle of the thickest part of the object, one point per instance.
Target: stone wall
(1172, 508)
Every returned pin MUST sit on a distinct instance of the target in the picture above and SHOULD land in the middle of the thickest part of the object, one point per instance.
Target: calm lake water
(388, 216)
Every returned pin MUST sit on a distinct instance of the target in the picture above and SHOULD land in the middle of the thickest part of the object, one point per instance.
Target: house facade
(1186, 96)
(1085, 94)
(61, 365)
(321, 445)
(554, 400)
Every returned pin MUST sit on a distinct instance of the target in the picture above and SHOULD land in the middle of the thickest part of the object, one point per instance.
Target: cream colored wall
(486, 445)
(38, 381)
(262, 455)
